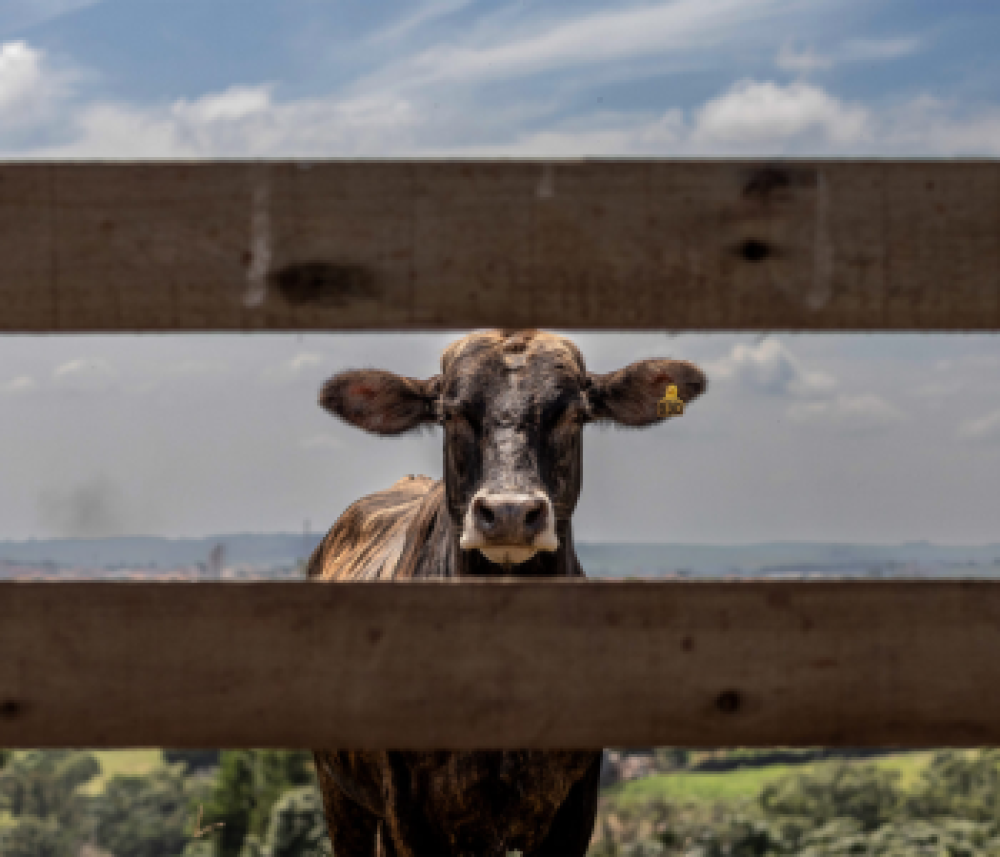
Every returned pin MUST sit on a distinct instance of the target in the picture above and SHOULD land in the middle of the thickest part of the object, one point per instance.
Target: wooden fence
(499, 664)
(420, 246)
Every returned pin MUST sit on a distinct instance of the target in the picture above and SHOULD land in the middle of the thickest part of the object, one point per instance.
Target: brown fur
(376, 532)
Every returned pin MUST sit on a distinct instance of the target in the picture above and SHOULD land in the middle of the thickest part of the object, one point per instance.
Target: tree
(36, 837)
(194, 760)
(232, 801)
(298, 825)
(150, 816)
(865, 793)
(960, 784)
(39, 790)
(249, 784)
(44, 784)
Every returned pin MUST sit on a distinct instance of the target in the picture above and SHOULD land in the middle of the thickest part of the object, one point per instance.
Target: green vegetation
(688, 786)
(148, 804)
(126, 763)
(701, 804)
(248, 786)
(193, 760)
(943, 804)
(147, 816)
(743, 782)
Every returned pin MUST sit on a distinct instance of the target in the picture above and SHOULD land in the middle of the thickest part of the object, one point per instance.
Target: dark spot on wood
(9, 709)
(761, 183)
(246, 257)
(778, 599)
(728, 701)
(754, 250)
(375, 635)
(687, 644)
(323, 284)
(825, 664)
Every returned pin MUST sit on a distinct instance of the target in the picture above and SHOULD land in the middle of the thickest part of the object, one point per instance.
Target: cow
(512, 404)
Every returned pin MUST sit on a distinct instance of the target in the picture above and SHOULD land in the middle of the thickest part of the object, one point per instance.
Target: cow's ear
(381, 402)
(629, 396)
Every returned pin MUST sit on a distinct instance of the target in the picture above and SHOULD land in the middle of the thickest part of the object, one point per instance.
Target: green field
(113, 762)
(745, 784)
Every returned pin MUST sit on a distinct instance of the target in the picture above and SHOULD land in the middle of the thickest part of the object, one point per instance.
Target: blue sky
(315, 78)
(879, 438)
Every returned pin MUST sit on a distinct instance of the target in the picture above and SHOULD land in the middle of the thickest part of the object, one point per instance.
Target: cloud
(768, 367)
(20, 74)
(763, 119)
(807, 60)
(983, 429)
(237, 121)
(237, 102)
(85, 375)
(867, 50)
(301, 365)
(932, 126)
(855, 50)
(861, 413)
(21, 14)
(506, 51)
(431, 104)
(421, 17)
(245, 121)
(16, 386)
(752, 113)
(29, 89)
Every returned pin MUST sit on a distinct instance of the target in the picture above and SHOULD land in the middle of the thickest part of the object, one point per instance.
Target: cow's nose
(509, 518)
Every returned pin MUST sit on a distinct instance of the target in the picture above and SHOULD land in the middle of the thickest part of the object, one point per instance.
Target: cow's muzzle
(509, 527)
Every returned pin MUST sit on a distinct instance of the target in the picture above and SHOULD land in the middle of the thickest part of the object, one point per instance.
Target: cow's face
(513, 406)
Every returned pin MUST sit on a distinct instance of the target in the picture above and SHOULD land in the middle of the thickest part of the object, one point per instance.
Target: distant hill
(598, 560)
(792, 558)
(143, 551)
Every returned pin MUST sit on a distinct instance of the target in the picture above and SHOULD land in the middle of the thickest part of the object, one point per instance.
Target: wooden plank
(719, 245)
(500, 664)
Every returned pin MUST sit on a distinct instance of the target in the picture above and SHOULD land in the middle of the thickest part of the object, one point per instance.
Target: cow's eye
(458, 422)
(568, 421)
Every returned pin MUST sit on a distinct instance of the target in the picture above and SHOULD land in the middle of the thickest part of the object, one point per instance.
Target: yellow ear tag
(670, 405)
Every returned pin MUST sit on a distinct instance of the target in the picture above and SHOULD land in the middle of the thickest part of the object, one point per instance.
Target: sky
(864, 438)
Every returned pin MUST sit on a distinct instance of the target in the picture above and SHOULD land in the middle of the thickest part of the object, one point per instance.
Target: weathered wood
(719, 245)
(499, 664)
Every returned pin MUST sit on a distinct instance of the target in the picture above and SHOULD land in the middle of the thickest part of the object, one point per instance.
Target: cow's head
(513, 404)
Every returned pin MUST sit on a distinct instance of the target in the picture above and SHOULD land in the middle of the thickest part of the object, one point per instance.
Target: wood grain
(719, 245)
(499, 664)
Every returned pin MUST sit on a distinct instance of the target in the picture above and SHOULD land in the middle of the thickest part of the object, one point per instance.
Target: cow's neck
(452, 561)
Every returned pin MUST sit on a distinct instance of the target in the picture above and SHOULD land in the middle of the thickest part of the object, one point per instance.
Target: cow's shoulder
(371, 537)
